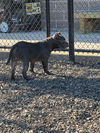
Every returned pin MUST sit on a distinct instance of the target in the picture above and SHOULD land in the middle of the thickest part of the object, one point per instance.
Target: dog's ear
(57, 34)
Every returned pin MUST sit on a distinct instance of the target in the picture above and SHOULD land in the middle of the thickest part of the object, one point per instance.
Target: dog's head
(60, 40)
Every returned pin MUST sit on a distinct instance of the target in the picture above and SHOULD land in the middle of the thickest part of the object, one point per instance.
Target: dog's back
(22, 50)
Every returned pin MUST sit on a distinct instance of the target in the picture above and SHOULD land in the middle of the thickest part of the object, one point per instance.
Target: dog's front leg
(45, 67)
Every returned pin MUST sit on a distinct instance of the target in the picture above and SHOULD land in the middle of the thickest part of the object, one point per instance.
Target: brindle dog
(28, 52)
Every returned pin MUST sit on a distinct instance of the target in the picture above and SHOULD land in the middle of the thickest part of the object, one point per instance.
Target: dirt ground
(66, 102)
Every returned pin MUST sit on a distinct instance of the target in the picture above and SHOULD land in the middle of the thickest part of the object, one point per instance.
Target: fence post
(48, 17)
(71, 30)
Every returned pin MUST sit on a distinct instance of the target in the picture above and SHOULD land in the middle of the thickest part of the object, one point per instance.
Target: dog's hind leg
(13, 68)
(32, 63)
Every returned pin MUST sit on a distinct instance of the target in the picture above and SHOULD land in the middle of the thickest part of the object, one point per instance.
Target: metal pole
(48, 17)
(71, 30)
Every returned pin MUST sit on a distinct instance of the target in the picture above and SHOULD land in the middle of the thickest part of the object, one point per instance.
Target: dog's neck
(51, 43)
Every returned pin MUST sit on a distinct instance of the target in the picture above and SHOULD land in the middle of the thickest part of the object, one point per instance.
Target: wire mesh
(87, 25)
(26, 20)
(85, 41)
(59, 19)
(21, 20)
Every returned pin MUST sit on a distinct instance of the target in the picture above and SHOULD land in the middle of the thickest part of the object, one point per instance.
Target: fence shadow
(79, 87)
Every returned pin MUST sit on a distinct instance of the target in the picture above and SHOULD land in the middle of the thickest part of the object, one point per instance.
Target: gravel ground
(66, 102)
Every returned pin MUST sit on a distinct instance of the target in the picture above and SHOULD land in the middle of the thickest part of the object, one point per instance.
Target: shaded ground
(66, 102)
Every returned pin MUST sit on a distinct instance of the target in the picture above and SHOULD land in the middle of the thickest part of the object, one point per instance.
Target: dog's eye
(63, 38)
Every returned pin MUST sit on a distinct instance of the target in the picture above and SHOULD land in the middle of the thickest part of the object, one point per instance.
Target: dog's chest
(39, 52)
(39, 56)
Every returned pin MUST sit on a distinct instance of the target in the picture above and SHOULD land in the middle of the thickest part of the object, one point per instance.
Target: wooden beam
(87, 15)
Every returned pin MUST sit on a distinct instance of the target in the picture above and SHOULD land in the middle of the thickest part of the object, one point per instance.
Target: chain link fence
(26, 20)
(87, 25)
(21, 20)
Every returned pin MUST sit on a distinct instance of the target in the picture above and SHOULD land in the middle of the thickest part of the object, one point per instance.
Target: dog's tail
(10, 55)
